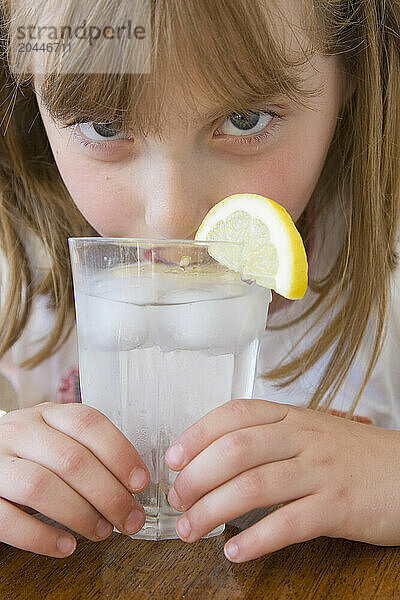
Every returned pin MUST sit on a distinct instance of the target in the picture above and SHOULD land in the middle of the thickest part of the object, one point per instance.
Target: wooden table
(121, 568)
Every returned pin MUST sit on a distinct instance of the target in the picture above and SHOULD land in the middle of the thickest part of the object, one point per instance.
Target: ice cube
(203, 319)
(111, 325)
(136, 290)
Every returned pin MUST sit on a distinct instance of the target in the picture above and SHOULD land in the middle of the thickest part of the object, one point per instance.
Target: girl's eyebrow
(195, 112)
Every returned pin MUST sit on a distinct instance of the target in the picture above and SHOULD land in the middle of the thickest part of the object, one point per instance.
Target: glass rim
(153, 241)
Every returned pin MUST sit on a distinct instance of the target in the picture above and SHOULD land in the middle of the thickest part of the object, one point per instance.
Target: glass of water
(165, 334)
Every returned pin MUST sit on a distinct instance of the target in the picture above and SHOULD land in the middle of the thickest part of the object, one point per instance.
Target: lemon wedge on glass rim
(273, 252)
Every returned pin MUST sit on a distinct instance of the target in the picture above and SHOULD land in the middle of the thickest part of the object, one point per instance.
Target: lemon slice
(273, 252)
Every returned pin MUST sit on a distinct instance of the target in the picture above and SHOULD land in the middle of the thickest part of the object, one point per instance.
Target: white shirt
(56, 378)
(380, 400)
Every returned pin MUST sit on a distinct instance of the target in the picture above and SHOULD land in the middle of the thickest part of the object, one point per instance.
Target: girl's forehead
(205, 58)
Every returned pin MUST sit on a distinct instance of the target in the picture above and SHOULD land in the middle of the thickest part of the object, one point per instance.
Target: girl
(297, 101)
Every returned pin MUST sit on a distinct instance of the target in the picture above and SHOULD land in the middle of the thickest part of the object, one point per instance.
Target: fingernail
(231, 551)
(138, 478)
(183, 528)
(135, 521)
(66, 544)
(103, 528)
(174, 500)
(174, 455)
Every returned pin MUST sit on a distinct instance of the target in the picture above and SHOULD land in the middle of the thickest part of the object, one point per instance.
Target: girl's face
(163, 187)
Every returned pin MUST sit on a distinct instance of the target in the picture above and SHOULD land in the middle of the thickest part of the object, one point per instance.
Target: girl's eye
(251, 128)
(97, 132)
(243, 124)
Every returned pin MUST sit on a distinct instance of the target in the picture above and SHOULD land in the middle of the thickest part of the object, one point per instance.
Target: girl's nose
(175, 197)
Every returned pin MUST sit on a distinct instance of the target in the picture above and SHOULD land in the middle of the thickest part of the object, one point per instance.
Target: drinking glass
(166, 333)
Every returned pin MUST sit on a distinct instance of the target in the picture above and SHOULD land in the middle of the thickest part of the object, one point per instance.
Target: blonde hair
(227, 51)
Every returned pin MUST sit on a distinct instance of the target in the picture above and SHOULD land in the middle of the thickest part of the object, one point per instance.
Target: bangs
(220, 53)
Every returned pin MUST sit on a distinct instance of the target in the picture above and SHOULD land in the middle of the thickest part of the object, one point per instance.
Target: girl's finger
(233, 453)
(266, 485)
(298, 521)
(94, 431)
(80, 474)
(31, 484)
(235, 414)
(27, 533)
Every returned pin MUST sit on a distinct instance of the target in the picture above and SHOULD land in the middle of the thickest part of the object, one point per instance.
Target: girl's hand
(69, 462)
(335, 477)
